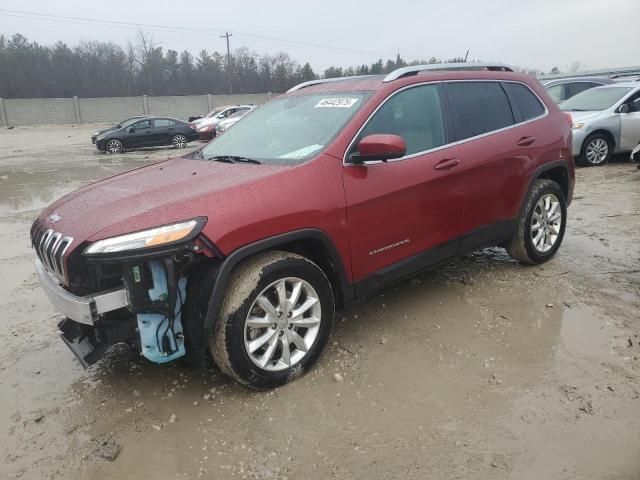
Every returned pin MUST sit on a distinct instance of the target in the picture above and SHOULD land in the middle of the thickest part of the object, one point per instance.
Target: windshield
(127, 122)
(595, 99)
(288, 130)
(214, 112)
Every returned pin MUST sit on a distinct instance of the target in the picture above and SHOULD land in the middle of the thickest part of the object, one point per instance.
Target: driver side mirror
(132, 130)
(379, 147)
(624, 108)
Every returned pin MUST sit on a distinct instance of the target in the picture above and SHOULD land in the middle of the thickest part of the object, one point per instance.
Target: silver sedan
(606, 120)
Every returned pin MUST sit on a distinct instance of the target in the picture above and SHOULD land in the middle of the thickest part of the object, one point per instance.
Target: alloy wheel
(282, 324)
(597, 151)
(114, 146)
(179, 141)
(546, 222)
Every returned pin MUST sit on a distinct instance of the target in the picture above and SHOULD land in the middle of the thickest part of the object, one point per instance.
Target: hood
(162, 193)
(207, 122)
(580, 116)
(100, 132)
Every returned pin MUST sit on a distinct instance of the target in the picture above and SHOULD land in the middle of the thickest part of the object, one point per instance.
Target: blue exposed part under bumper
(152, 327)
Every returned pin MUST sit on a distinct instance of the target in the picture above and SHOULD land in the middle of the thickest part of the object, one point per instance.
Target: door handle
(446, 164)
(526, 141)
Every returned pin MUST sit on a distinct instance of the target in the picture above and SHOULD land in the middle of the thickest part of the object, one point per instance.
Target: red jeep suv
(327, 193)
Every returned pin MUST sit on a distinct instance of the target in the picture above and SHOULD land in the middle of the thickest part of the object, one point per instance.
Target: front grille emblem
(55, 218)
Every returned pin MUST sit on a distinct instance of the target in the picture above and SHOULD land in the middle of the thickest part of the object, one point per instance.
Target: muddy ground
(481, 369)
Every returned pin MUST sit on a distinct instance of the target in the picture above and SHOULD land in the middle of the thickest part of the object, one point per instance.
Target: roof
(403, 72)
(375, 82)
(623, 84)
(558, 81)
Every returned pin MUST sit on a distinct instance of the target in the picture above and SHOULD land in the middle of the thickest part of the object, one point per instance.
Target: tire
(199, 288)
(114, 146)
(255, 282)
(596, 150)
(526, 246)
(179, 141)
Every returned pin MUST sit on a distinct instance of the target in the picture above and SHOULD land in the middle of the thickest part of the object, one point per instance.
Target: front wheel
(179, 141)
(275, 321)
(596, 150)
(541, 225)
(114, 146)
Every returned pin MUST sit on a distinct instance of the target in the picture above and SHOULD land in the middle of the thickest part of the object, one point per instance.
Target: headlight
(576, 126)
(95, 134)
(146, 238)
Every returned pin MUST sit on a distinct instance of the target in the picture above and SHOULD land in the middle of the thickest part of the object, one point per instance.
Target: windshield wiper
(233, 159)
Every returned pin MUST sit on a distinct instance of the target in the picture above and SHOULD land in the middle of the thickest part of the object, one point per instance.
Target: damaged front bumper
(85, 310)
(145, 312)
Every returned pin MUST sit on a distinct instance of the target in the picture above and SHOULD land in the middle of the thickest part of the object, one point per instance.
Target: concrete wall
(34, 111)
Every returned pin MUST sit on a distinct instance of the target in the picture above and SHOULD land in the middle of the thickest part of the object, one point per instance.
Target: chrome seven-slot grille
(51, 247)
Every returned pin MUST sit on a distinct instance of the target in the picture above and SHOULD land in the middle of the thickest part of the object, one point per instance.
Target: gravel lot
(480, 369)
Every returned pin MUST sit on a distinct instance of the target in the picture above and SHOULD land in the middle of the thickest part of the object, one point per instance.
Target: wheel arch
(313, 244)
(601, 131)
(558, 171)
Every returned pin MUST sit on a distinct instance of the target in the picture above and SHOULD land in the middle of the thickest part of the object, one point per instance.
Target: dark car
(147, 132)
(123, 123)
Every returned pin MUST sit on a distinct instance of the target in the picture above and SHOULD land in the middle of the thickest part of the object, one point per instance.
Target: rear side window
(478, 107)
(164, 122)
(556, 92)
(414, 114)
(524, 102)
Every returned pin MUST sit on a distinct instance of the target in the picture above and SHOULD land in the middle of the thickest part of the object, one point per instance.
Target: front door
(139, 134)
(410, 207)
(630, 124)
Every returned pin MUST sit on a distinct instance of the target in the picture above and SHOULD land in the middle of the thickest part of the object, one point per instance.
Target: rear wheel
(596, 150)
(275, 321)
(541, 224)
(179, 141)
(114, 146)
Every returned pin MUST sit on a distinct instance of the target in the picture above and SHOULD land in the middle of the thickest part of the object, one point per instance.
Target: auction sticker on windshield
(336, 103)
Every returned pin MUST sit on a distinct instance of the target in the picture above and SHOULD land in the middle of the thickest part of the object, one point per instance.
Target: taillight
(567, 115)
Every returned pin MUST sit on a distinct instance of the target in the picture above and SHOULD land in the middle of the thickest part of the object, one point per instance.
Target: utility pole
(227, 35)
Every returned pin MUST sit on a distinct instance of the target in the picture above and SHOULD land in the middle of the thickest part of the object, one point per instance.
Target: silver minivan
(606, 120)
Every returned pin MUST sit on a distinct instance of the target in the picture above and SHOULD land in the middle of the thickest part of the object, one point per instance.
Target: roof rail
(415, 69)
(324, 80)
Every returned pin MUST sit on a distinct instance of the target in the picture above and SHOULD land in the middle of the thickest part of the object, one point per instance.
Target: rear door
(407, 207)
(630, 124)
(498, 145)
(139, 134)
(163, 130)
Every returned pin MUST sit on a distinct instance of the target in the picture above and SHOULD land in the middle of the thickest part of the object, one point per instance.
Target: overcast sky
(533, 33)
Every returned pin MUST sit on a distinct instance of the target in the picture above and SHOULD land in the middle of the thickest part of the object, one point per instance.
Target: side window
(414, 114)
(142, 125)
(478, 107)
(634, 103)
(556, 92)
(575, 88)
(524, 101)
(163, 122)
